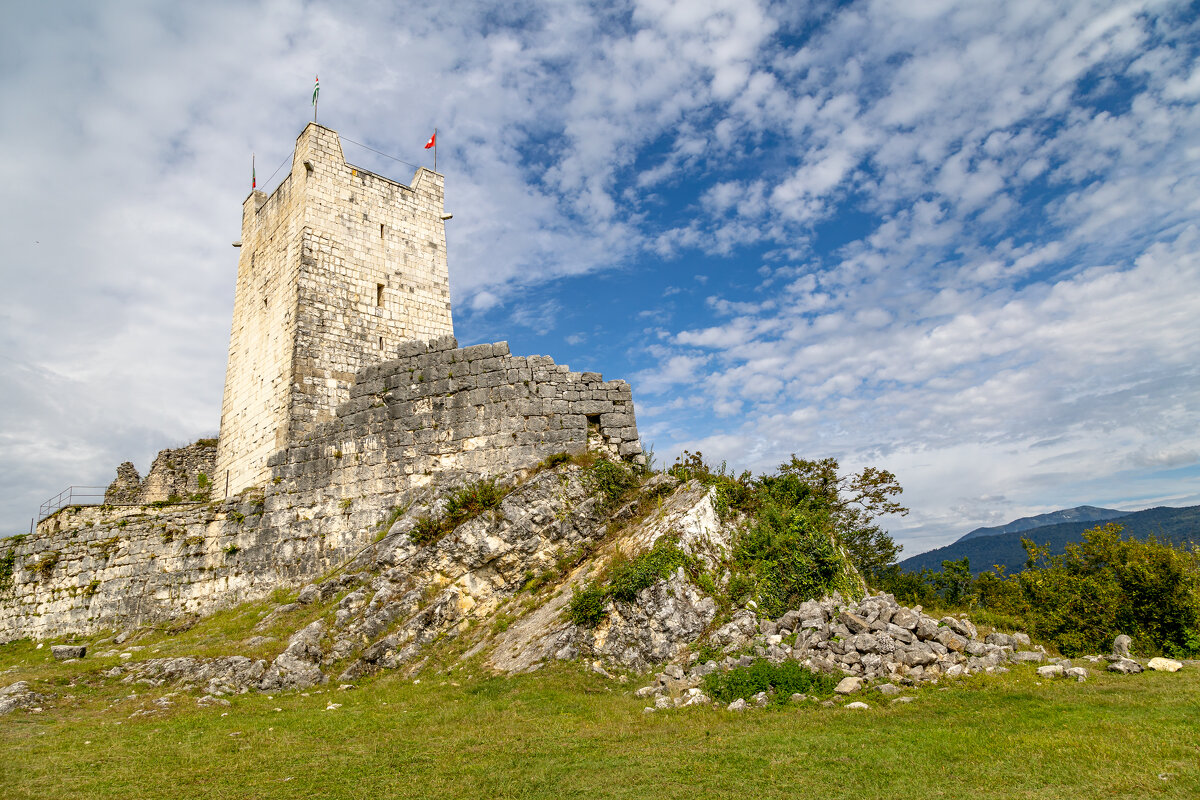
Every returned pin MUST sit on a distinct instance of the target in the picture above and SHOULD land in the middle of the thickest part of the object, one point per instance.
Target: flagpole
(253, 175)
(435, 149)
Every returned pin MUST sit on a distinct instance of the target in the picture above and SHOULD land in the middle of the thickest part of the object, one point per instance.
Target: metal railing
(72, 496)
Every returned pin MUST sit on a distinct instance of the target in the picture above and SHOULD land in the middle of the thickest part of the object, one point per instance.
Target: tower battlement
(338, 266)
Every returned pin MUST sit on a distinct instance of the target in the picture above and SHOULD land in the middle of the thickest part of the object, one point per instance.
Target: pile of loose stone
(876, 639)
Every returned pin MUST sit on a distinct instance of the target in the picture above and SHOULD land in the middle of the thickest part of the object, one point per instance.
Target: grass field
(563, 732)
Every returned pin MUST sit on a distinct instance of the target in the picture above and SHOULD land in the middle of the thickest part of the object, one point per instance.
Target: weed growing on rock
(7, 567)
(627, 577)
(587, 605)
(45, 565)
(472, 500)
(427, 531)
(468, 502)
(610, 480)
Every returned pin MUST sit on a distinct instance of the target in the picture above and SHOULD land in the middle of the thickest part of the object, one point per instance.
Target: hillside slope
(1176, 525)
(1077, 514)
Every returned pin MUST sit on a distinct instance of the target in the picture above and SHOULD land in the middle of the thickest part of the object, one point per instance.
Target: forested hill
(1077, 514)
(1177, 525)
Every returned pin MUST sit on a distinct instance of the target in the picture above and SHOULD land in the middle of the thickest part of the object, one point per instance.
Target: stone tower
(337, 267)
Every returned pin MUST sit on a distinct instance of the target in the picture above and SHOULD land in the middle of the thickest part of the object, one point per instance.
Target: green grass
(564, 732)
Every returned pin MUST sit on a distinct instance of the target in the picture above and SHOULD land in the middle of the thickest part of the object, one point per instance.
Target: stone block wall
(337, 267)
(183, 472)
(435, 416)
(141, 565)
(439, 409)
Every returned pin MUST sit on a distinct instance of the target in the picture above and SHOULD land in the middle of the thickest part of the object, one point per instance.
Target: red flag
(432, 141)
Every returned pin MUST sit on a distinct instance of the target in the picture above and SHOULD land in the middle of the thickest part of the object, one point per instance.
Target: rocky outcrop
(20, 695)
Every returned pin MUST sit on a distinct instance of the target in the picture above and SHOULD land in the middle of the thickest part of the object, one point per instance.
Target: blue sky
(957, 240)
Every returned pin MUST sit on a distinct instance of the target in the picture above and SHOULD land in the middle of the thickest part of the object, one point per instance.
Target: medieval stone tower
(337, 267)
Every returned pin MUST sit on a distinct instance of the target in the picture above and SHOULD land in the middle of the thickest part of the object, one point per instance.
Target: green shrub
(427, 531)
(780, 680)
(610, 480)
(627, 577)
(587, 605)
(788, 555)
(472, 500)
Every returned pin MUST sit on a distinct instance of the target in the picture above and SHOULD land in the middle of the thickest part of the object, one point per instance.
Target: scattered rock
(737, 705)
(888, 689)
(1125, 666)
(1051, 671)
(1121, 646)
(62, 652)
(857, 705)
(19, 695)
(1164, 664)
(849, 685)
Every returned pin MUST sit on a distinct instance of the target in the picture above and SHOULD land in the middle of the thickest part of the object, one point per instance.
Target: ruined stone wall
(443, 410)
(143, 565)
(338, 266)
(436, 416)
(182, 473)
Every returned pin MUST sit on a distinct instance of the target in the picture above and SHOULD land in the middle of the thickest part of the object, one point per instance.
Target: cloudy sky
(957, 240)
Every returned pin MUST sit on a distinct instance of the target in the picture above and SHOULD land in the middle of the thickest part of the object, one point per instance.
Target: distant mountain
(1077, 514)
(1176, 525)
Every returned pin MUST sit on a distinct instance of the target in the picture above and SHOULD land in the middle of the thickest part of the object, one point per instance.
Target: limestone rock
(62, 652)
(853, 622)
(1125, 666)
(737, 632)
(1121, 646)
(1164, 664)
(849, 685)
(19, 695)
(906, 618)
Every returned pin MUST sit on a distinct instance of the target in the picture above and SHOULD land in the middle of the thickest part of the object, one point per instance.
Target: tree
(854, 501)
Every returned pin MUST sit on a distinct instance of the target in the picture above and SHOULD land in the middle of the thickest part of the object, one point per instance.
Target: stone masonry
(346, 397)
(337, 268)
(177, 474)
(437, 416)
(441, 411)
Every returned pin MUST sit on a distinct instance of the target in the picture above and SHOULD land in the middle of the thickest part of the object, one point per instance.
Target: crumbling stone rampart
(435, 416)
(440, 409)
(176, 474)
